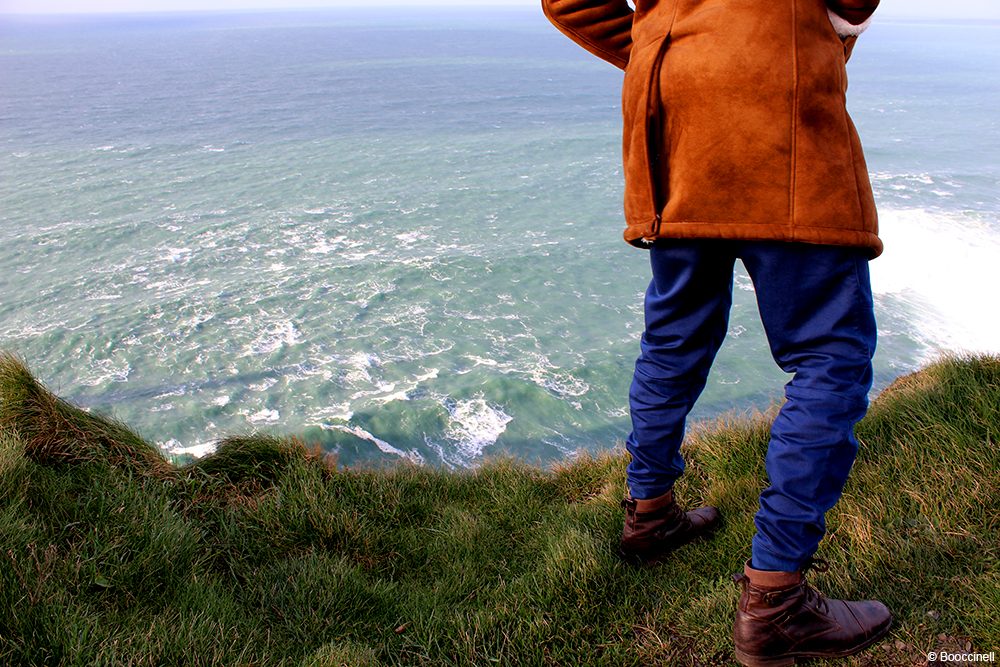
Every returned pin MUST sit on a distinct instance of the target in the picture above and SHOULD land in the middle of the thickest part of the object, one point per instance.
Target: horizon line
(462, 8)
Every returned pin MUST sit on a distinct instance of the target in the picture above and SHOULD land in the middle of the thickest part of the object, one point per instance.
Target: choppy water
(400, 234)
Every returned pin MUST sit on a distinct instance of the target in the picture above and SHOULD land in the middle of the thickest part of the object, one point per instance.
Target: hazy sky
(896, 8)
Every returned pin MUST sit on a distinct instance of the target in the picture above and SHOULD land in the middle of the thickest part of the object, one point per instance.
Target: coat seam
(795, 115)
(868, 305)
(668, 223)
(857, 186)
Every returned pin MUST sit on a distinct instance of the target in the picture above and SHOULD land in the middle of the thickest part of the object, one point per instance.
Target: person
(737, 144)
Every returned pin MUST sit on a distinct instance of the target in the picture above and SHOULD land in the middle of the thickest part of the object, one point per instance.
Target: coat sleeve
(603, 27)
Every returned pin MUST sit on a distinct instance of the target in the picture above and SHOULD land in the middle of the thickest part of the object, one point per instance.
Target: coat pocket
(644, 155)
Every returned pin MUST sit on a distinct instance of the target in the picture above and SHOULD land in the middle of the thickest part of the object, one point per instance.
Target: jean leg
(687, 316)
(816, 306)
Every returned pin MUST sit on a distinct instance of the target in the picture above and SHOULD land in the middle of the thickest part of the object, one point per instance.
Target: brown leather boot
(655, 527)
(781, 618)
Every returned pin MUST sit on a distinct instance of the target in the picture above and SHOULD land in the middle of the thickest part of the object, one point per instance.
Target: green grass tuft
(55, 432)
(266, 553)
(256, 459)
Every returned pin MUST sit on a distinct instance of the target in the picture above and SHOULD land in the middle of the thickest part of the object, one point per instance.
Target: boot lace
(817, 564)
(812, 595)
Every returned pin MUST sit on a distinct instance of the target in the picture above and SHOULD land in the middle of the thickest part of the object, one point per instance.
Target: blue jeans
(815, 302)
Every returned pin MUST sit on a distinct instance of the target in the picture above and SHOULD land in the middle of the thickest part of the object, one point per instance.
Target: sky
(959, 9)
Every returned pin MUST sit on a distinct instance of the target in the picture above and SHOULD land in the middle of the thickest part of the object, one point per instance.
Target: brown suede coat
(735, 119)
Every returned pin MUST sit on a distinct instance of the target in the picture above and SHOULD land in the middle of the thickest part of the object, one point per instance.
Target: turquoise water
(399, 235)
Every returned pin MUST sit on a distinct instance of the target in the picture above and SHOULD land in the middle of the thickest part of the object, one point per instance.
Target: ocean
(398, 234)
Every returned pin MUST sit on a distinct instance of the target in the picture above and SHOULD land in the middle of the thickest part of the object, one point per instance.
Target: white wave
(386, 392)
(742, 282)
(321, 416)
(221, 401)
(175, 447)
(567, 452)
(263, 385)
(369, 290)
(362, 254)
(358, 364)
(943, 267)
(103, 371)
(175, 255)
(560, 383)
(31, 330)
(300, 372)
(173, 392)
(482, 361)
(428, 375)
(278, 335)
(264, 416)
(922, 178)
(538, 369)
(326, 246)
(168, 285)
(474, 425)
(409, 238)
(618, 413)
(384, 446)
(200, 317)
(401, 395)
(381, 393)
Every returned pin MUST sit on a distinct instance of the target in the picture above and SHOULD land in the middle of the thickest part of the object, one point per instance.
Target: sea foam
(942, 266)
(474, 425)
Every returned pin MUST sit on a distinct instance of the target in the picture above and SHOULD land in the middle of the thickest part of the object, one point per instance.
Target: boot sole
(788, 659)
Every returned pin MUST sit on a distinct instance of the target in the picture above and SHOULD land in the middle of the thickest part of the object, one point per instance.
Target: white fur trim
(845, 28)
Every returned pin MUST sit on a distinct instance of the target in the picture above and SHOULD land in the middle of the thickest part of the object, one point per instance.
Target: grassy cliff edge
(267, 553)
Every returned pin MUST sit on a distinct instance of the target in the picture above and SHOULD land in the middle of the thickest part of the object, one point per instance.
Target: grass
(267, 553)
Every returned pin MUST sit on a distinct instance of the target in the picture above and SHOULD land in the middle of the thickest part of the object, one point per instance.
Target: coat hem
(642, 235)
